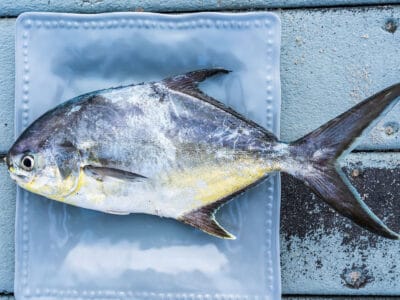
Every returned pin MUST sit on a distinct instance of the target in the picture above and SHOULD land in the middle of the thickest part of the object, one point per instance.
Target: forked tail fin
(317, 154)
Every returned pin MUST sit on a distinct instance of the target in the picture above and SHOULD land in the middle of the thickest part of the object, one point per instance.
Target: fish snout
(4, 157)
(7, 159)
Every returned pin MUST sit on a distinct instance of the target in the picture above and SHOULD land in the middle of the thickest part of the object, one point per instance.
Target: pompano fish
(167, 149)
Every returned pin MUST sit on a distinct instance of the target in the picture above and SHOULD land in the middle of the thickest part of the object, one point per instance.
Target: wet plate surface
(66, 252)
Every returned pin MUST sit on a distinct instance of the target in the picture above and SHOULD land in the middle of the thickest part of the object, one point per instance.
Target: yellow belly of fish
(56, 190)
(96, 191)
(117, 195)
(210, 183)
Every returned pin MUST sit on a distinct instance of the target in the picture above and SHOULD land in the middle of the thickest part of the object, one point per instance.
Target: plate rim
(21, 24)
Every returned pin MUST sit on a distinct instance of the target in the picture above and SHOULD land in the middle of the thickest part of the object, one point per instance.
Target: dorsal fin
(204, 219)
(188, 84)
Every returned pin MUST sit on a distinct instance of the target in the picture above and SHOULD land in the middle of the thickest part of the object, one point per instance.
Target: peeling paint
(378, 160)
(391, 25)
(315, 265)
(323, 253)
(332, 59)
(356, 277)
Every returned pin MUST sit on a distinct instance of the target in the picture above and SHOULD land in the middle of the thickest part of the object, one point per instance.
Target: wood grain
(14, 8)
(331, 59)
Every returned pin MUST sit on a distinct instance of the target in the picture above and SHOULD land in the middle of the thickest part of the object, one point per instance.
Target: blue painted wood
(14, 8)
(324, 253)
(7, 211)
(8, 297)
(331, 59)
(333, 298)
(7, 27)
(7, 188)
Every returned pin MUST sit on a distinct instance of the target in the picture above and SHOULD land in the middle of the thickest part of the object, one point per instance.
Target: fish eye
(27, 162)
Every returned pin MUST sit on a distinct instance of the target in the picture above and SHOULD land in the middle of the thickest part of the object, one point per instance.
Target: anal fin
(203, 218)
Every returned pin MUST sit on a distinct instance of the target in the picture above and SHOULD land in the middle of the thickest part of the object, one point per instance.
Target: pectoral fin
(67, 159)
(100, 173)
(204, 219)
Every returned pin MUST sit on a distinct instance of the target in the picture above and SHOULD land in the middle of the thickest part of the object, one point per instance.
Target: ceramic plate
(64, 252)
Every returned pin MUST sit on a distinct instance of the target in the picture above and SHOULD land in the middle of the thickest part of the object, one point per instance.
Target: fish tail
(316, 157)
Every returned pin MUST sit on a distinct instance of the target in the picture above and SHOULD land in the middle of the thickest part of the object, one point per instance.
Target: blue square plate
(63, 252)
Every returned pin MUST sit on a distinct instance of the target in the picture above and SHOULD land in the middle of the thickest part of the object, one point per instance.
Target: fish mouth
(16, 176)
(10, 166)
(4, 157)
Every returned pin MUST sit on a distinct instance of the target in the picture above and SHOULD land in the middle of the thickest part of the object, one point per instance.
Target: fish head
(45, 164)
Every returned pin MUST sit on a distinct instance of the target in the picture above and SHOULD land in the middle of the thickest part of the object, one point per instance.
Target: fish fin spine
(322, 148)
(189, 82)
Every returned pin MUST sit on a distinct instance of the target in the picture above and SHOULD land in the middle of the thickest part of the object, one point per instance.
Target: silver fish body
(165, 148)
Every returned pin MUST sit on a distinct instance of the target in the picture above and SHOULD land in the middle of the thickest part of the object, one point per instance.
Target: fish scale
(166, 148)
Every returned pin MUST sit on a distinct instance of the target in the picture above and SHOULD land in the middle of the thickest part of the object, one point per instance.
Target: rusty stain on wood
(356, 277)
(391, 25)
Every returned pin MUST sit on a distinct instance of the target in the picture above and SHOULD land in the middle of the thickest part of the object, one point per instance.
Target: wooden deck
(333, 56)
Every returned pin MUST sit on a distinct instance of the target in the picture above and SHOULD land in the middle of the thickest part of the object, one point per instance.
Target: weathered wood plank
(7, 188)
(7, 212)
(338, 298)
(7, 71)
(323, 253)
(14, 8)
(332, 59)
(9, 297)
